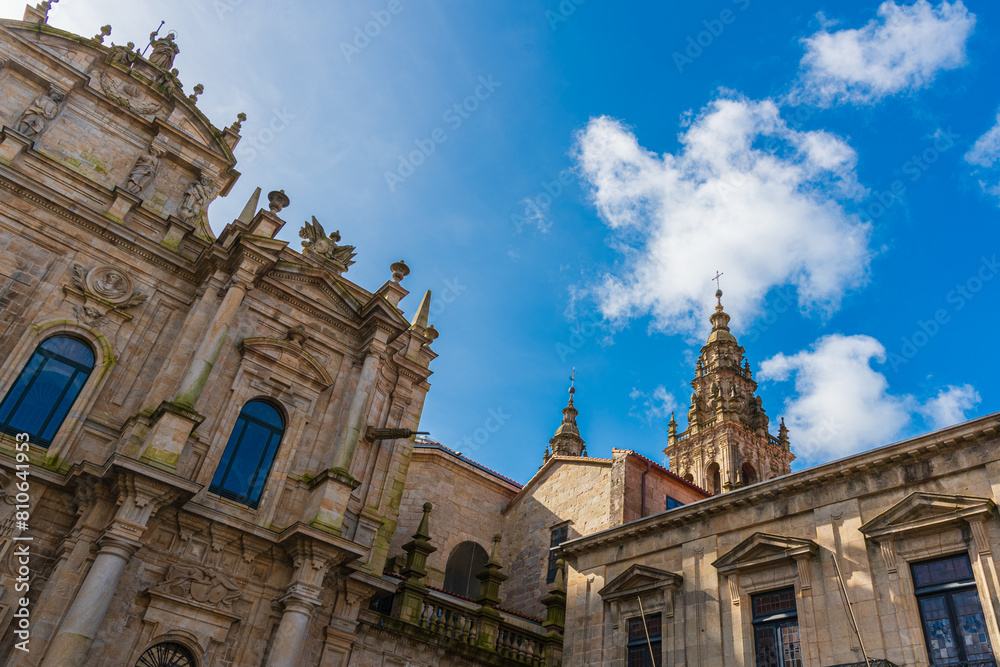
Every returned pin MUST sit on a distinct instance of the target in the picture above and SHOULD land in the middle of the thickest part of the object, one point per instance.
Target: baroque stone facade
(219, 471)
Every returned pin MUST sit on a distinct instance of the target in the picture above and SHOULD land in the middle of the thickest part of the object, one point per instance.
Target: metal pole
(850, 609)
(652, 656)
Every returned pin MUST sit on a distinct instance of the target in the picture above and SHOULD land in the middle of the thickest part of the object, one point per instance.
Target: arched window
(748, 475)
(249, 454)
(167, 654)
(466, 561)
(714, 479)
(689, 478)
(43, 393)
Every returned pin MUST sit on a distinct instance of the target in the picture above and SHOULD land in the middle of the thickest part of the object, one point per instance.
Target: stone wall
(571, 490)
(467, 505)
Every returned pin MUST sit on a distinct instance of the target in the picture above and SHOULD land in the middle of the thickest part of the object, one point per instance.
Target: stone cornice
(860, 465)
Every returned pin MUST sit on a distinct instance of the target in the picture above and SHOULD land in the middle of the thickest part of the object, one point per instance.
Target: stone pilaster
(312, 561)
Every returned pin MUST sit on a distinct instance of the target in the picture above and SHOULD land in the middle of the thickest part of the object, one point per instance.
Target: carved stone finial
(238, 123)
(317, 243)
(43, 109)
(297, 334)
(278, 200)
(399, 271)
(105, 31)
(431, 333)
(198, 90)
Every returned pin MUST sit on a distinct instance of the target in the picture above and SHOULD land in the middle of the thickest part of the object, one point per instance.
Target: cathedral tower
(727, 444)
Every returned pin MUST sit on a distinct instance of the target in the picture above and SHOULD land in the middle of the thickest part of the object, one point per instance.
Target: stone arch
(748, 474)
(713, 478)
(466, 561)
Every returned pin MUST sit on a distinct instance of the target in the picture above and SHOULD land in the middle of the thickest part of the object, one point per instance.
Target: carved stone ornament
(196, 197)
(108, 283)
(127, 95)
(42, 109)
(206, 586)
(317, 243)
(144, 170)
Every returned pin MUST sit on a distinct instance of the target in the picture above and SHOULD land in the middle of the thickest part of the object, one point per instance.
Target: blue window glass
(673, 503)
(41, 396)
(249, 454)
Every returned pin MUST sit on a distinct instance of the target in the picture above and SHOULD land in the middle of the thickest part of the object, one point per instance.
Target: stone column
(83, 620)
(210, 346)
(356, 413)
(139, 498)
(299, 604)
(312, 561)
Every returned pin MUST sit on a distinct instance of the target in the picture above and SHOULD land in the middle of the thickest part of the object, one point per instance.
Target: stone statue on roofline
(123, 54)
(317, 243)
(164, 51)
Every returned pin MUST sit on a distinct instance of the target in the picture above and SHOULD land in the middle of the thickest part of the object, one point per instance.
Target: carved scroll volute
(734, 589)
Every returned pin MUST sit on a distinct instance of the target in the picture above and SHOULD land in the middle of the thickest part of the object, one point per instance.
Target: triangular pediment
(317, 287)
(638, 579)
(920, 511)
(764, 549)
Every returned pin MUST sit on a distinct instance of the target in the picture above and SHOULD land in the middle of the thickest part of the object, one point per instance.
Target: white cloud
(652, 407)
(903, 49)
(950, 405)
(746, 194)
(842, 405)
(986, 153)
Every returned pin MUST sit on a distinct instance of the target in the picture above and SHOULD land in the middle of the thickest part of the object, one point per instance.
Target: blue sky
(838, 162)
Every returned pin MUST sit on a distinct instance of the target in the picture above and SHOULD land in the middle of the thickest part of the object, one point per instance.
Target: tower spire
(567, 440)
(727, 443)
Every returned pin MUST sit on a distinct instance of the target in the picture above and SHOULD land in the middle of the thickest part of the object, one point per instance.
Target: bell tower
(727, 444)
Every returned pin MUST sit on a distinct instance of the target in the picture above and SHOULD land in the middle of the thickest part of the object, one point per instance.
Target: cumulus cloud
(842, 405)
(652, 407)
(950, 405)
(903, 49)
(986, 153)
(746, 194)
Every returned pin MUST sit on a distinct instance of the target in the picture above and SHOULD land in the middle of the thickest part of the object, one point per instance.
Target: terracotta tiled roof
(433, 444)
(656, 465)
